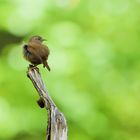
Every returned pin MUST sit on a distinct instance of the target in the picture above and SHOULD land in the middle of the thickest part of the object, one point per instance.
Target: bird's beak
(44, 40)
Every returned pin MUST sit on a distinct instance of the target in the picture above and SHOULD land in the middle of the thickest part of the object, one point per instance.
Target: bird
(36, 52)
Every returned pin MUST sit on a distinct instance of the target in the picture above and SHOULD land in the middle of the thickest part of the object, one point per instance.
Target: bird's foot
(32, 67)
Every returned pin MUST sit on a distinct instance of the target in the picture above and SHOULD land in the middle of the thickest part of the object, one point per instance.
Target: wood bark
(57, 126)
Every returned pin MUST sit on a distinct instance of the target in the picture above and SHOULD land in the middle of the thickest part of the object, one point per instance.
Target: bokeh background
(95, 62)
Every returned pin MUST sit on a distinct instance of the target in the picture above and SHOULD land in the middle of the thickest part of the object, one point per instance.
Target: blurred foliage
(95, 62)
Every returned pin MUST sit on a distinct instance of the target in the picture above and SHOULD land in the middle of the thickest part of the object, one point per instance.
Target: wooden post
(57, 126)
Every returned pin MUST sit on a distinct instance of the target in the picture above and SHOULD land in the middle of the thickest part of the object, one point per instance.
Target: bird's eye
(39, 38)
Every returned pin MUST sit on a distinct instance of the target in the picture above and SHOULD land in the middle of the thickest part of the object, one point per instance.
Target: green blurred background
(95, 62)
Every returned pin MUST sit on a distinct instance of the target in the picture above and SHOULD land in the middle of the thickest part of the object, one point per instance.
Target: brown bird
(36, 52)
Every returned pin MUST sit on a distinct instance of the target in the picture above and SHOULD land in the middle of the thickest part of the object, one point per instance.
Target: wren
(36, 52)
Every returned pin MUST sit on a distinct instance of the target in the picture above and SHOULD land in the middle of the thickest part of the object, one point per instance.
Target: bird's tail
(45, 64)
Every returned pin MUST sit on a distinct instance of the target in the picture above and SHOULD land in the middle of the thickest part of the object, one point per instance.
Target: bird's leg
(32, 67)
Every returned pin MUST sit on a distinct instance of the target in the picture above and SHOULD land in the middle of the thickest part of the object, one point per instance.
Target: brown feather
(35, 52)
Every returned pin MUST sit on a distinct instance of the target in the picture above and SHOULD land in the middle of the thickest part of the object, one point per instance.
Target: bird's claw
(32, 67)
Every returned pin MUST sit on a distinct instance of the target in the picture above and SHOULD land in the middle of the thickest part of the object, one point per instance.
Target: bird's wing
(34, 53)
(45, 52)
(40, 49)
(34, 46)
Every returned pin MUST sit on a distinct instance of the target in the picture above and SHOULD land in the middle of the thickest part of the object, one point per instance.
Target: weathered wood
(57, 126)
